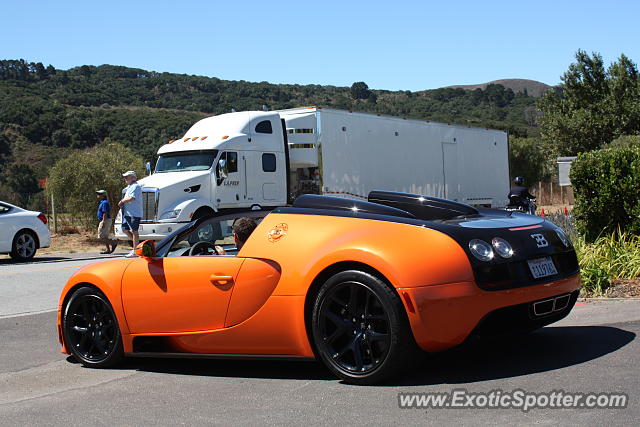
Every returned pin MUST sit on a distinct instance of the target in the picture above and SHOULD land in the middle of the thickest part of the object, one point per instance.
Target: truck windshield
(186, 161)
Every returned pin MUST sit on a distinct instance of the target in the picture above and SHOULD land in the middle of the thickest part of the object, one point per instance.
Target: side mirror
(146, 249)
(222, 169)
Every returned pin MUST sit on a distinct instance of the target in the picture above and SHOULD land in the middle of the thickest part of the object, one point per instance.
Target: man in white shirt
(131, 205)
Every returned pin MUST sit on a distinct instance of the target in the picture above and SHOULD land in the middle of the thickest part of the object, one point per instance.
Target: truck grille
(149, 205)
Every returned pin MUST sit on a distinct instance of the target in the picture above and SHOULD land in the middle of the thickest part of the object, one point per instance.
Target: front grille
(515, 274)
(149, 205)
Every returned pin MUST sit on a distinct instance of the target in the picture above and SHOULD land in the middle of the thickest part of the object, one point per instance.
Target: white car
(22, 232)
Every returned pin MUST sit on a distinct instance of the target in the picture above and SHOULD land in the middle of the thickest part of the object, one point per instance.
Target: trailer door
(450, 170)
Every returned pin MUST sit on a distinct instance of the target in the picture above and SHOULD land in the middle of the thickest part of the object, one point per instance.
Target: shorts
(130, 223)
(104, 228)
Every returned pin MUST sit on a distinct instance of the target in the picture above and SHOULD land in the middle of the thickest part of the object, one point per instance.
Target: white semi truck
(261, 160)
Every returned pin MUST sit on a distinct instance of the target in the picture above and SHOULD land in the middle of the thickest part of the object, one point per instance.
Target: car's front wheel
(24, 246)
(90, 329)
(360, 329)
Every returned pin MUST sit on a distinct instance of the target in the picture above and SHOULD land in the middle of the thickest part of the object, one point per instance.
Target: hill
(532, 87)
(46, 113)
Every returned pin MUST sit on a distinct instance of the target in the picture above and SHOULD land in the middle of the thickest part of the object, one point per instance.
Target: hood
(171, 179)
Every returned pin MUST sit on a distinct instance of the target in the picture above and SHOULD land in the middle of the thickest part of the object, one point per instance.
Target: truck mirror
(222, 169)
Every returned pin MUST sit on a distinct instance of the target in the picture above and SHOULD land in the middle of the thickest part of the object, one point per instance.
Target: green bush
(606, 185)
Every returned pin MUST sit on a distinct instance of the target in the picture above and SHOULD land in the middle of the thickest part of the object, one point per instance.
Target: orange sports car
(361, 285)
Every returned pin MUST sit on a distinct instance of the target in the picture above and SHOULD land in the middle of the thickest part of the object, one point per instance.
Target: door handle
(221, 280)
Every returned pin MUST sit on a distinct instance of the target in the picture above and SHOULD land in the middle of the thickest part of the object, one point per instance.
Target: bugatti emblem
(541, 242)
(277, 232)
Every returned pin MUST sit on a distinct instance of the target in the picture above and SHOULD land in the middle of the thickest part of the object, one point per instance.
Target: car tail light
(42, 218)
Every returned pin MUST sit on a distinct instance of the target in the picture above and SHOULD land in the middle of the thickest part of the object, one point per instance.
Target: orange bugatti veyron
(360, 285)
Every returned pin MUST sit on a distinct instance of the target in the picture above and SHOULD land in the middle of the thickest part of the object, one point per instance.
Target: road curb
(66, 258)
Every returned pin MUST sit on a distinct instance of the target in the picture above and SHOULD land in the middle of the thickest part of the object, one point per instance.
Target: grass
(612, 257)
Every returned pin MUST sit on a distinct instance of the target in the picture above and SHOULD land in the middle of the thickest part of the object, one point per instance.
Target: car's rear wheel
(90, 329)
(360, 329)
(24, 246)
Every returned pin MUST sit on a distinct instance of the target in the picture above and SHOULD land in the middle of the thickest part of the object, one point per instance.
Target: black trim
(320, 203)
(286, 161)
(516, 274)
(520, 318)
(424, 207)
(223, 356)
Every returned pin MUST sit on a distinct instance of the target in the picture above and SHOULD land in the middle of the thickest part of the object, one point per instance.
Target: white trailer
(265, 159)
(355, 153)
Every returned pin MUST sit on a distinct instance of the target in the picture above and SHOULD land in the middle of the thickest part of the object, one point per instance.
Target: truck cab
(235, 160)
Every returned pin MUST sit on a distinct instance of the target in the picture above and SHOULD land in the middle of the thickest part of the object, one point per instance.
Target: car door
(178, 294)
(6, 228)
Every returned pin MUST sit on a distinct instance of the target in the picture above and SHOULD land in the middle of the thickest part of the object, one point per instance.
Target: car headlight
(563, 237)
(503, 247)
(481, 250)
(171, 214)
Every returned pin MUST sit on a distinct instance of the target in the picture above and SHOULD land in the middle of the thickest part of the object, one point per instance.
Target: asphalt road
(593, 350)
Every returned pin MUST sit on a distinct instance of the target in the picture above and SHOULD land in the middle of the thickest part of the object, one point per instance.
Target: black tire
(24, 246)
(90, 329)
(360, 329)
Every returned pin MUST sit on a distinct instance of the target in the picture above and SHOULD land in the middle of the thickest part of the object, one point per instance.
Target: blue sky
(395, 45)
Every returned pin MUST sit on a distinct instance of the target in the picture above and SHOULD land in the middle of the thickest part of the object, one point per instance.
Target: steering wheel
(202, 248)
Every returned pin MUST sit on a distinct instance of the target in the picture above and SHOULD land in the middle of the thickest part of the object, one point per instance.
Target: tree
(5, 149)
(528, 159)
(21, 179)
(74, 180)
(594, 106)
(360, 90)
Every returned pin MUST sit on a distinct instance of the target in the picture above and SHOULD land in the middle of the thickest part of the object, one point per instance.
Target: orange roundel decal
(277, 232)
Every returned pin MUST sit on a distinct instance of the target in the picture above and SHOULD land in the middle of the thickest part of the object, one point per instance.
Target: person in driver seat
(242, 229)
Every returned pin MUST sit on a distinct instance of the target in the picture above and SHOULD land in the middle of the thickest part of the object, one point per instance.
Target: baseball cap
(103, 192)
(130, 173)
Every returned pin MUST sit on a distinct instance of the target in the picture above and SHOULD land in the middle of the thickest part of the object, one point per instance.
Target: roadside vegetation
(608, 261)
(74, 180)
(595, 114)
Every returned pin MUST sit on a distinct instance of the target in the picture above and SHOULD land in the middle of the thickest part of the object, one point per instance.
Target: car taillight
(42, 218)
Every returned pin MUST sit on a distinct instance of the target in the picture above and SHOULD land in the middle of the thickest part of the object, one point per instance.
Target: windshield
(186, 161)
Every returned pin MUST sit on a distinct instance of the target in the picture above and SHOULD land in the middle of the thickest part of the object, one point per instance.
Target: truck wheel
(360, 329)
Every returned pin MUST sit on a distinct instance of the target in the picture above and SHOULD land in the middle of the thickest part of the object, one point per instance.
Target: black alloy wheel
(360, 328)
(90, 329)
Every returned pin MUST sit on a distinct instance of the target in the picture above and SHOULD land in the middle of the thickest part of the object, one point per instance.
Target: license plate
(542, 267)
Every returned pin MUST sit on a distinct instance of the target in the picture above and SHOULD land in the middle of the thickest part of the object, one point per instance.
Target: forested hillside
(45, 113)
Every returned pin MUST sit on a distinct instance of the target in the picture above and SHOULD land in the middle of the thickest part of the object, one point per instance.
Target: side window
(268, 162)
(264, 127)
(208, 237)
(232, 162)
(4, 209)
